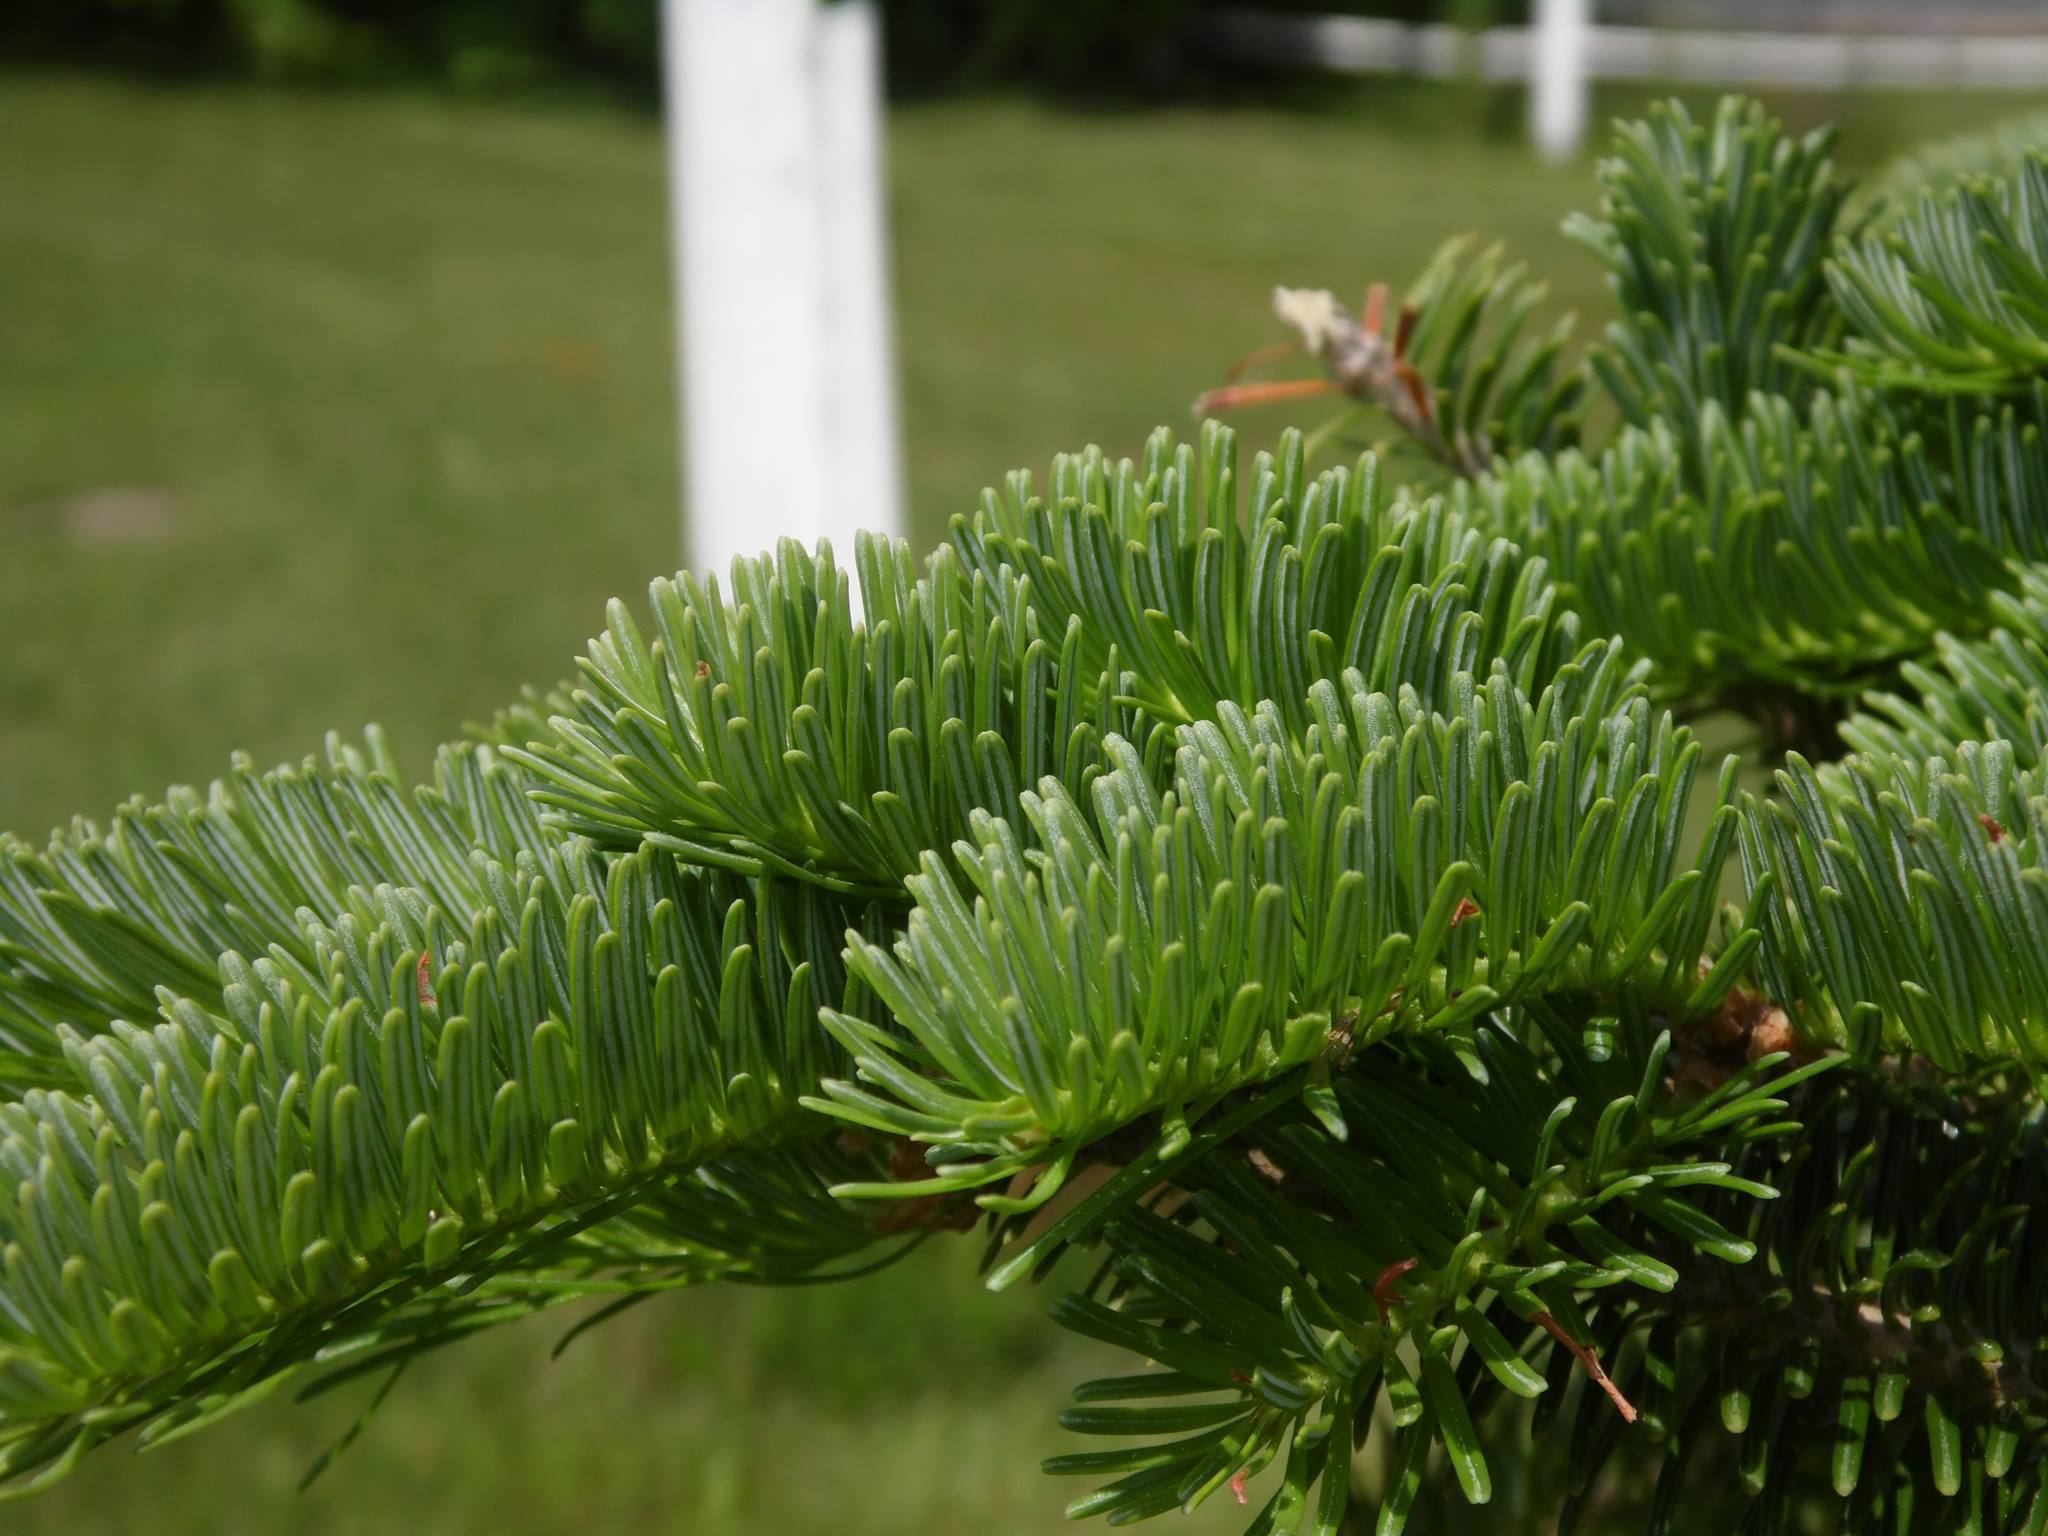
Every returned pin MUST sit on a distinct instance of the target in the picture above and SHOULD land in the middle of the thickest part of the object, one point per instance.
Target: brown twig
(1375, 313)
(1584, 1354)
(1232, 396)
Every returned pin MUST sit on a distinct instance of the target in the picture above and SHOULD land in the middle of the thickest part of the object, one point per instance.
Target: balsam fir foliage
(1289, 907)
(1951, 298)
(1713, 237)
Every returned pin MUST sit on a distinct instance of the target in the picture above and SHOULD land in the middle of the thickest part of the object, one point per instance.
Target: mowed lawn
(316, 409)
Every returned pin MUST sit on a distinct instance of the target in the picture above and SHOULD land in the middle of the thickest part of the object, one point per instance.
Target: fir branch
(1952, 298)
(1409, 870)
(330, 1159)
(1713, 236)
(1252, 1298)
(1816, 550)
(101, 918)
(1307, 858)
(767, 733)
(1990, 688)
(1901, 904)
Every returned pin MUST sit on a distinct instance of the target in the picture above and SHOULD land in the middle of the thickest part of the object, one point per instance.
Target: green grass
(401, 367)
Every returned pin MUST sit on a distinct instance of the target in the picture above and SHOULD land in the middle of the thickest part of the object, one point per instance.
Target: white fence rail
(1784, 59)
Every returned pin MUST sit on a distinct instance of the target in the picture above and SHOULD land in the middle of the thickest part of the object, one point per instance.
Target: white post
(1557, 76)
(775, 165)
(861, 350)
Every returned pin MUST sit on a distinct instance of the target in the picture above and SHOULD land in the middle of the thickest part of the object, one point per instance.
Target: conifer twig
(1587, 1358)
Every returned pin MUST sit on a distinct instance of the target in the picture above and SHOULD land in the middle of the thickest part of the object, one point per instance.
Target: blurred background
(338, 382)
